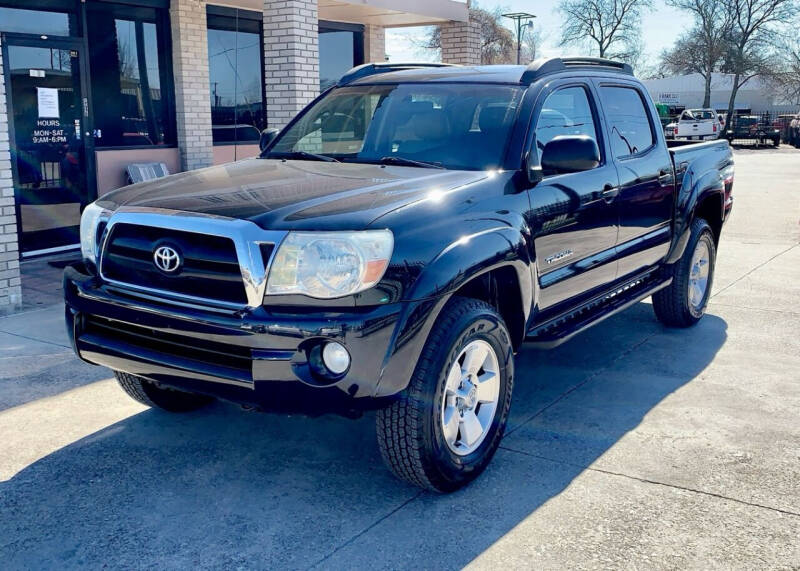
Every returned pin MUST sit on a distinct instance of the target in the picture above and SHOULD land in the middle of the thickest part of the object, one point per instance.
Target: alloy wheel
(471, 395)
(698, 276)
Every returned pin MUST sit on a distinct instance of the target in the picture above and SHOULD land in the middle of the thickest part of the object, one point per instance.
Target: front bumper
(260, 357)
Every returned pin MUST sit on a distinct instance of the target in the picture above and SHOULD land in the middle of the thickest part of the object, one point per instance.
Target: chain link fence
(750, 128)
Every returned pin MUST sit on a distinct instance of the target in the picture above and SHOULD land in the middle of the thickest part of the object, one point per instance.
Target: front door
(575, 215)
(48, 135)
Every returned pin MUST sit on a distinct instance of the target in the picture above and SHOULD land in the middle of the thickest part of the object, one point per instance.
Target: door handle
(664, 177)
(610, 192)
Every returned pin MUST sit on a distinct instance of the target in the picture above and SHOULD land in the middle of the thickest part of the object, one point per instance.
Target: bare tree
(785, 77)
(685, 56)
(702, 49)
(754, 25)
(498, 43)
(611, 27)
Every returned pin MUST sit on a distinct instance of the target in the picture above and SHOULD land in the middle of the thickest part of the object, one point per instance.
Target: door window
(629, 122)
(47, 147)
(565, 112)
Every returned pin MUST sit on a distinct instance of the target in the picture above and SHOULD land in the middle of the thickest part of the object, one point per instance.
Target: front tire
(683, 303)
(443, 430)
(152, 395)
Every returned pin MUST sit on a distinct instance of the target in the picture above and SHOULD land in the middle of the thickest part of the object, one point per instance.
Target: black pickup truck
(396, 244)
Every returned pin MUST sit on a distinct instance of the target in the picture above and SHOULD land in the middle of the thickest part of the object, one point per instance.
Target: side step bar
(564, 328)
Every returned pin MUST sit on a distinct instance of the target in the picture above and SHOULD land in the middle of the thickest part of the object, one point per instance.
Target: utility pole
(518, 17)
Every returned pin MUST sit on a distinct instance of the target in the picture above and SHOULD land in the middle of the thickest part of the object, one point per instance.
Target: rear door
(574, 215)
(646, 184)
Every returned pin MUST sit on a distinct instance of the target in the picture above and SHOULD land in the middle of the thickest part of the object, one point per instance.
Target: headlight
(330, 264)
(89, 235)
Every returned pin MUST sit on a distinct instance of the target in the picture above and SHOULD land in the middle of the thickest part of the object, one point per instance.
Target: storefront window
(37, 22)
(341, 47)
(130, 67)
(235, 75)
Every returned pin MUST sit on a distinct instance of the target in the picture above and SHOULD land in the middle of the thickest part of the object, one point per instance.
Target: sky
(660, 26)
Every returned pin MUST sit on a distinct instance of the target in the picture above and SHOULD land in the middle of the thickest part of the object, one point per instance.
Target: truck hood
(294, 195)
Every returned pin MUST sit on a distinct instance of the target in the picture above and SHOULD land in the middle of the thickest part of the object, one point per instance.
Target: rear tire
(150, 394)
(428, 435)
(683, 303)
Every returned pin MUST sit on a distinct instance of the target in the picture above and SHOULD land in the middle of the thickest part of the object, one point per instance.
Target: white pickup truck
(698, 125)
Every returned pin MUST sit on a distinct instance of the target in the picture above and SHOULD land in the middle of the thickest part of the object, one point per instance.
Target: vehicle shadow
(224, 488)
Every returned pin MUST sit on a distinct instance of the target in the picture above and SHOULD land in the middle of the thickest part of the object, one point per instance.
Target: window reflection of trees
(234, 55)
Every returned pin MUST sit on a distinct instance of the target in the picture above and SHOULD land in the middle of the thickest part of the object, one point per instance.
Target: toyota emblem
(167, 259)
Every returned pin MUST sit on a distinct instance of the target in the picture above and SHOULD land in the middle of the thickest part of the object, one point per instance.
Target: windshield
(454, 126)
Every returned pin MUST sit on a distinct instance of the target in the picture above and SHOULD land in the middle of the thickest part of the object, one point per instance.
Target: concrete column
(461, 42)
(10, 285)
(190, 68)
(374, 43)
(291, 57)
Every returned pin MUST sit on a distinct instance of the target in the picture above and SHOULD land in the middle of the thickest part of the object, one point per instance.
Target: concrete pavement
(630, 446)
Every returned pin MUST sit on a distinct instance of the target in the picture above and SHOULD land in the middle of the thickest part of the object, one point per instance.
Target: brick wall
(374, 43)
(291, 57)
(461, 43)
(10, 288)
(190, 67)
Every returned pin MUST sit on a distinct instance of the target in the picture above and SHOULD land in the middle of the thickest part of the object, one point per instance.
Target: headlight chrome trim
(91, 218)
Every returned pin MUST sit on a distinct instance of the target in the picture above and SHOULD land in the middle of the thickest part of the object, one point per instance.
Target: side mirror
(570, 153)
(267, 136)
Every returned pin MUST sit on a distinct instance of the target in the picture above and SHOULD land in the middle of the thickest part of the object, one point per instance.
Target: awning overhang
(387, 13)
(391, 13)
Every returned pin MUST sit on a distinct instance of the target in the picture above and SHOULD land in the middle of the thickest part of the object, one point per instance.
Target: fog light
(335, 357)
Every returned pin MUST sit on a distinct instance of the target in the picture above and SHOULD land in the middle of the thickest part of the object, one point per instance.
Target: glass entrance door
(48, 154)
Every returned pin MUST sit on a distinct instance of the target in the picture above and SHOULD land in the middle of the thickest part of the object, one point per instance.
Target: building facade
(688, 91)
(89, 87)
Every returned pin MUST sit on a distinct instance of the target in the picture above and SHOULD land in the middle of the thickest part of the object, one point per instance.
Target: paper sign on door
(47, 99)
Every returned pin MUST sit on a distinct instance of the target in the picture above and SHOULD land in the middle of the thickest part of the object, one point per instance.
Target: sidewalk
(41, 280)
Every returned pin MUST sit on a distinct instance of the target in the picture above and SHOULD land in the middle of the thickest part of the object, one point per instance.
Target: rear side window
(627, 116)
(565, 112)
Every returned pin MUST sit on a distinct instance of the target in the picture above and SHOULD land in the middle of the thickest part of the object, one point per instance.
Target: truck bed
(702, 164)
(702, 157)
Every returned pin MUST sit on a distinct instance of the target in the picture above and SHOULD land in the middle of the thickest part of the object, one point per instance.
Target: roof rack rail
(367, 69)
(546, 66)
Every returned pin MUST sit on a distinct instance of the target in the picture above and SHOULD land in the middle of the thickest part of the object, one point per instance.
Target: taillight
(676, 131)
(714, 126)
(727, 181)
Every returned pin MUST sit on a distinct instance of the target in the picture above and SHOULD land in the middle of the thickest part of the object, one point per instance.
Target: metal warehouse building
(689, 90)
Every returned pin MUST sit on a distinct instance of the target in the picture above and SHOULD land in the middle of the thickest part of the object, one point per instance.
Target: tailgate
(704, 128)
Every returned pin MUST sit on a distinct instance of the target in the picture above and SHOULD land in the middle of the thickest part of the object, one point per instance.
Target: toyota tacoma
(395, 245)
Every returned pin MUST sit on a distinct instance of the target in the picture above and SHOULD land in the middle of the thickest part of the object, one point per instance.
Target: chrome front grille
(224, 261)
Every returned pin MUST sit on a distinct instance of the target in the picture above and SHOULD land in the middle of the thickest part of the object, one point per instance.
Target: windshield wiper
(304, 155)
(403, 162)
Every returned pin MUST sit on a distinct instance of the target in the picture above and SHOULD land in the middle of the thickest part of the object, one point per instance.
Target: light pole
(518, 17)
